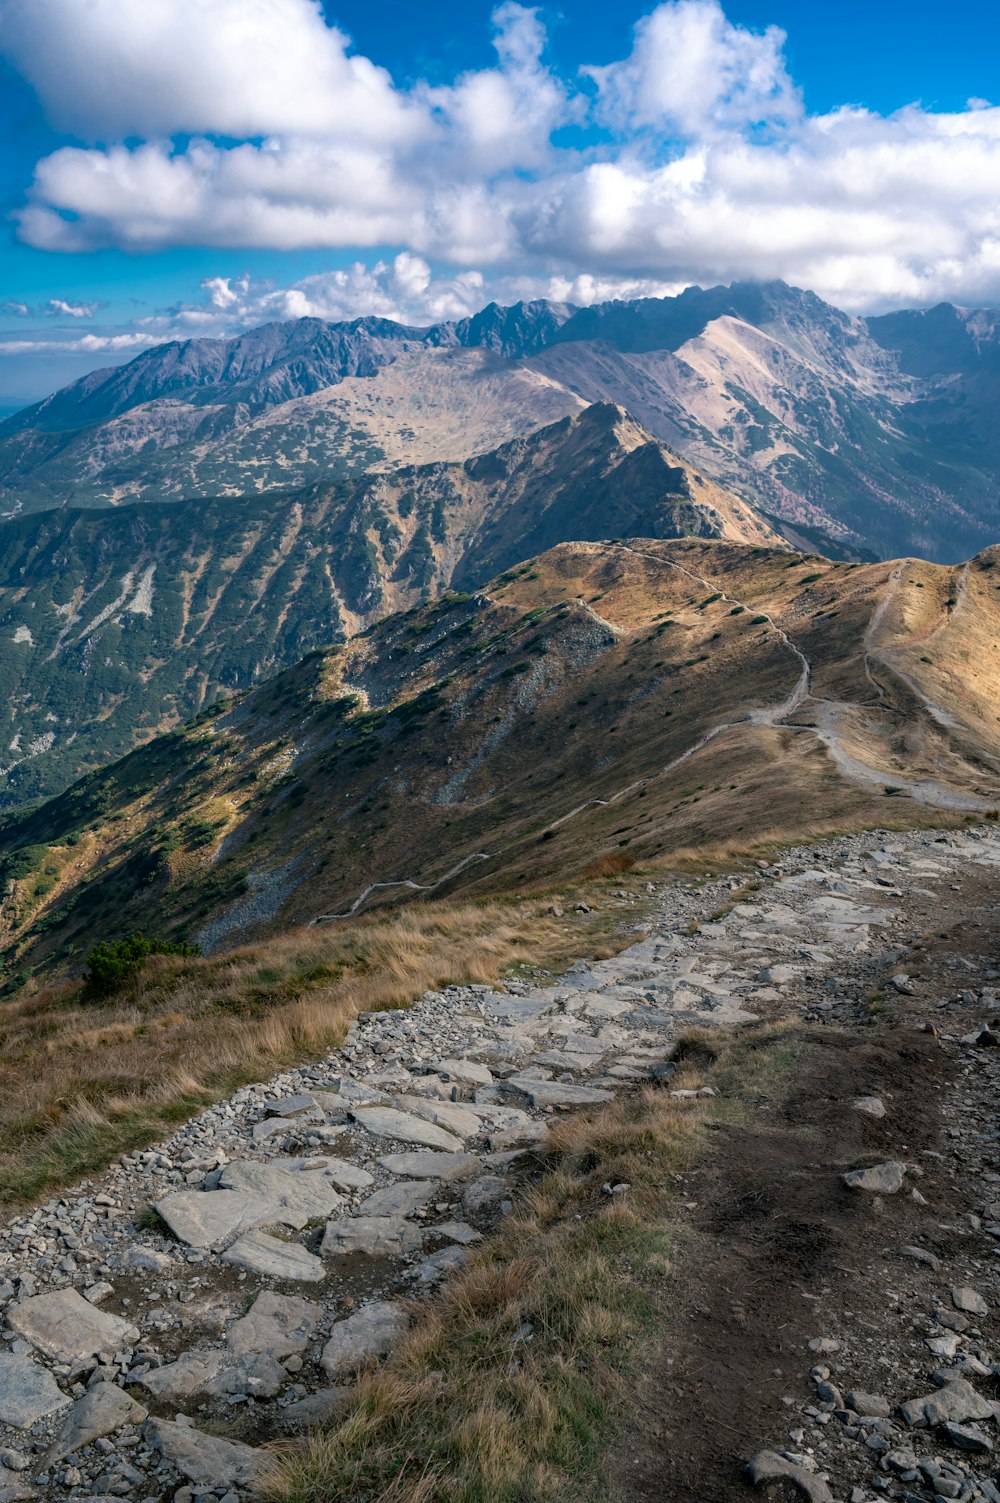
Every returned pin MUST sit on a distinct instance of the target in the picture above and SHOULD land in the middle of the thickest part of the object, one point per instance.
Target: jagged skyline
(377, 168)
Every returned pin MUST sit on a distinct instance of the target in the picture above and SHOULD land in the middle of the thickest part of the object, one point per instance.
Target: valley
(604, 700)
(120, 624)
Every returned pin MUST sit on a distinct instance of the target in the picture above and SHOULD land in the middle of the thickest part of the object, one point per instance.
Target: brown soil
(778, 1251)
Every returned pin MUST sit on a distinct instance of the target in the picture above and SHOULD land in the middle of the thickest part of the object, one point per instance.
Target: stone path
(147, 1354)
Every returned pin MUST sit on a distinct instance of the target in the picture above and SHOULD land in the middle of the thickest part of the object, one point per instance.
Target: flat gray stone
(28, 1392)
(254, 1374)
(957, 1402)
(768, 1466)
(315, 1409)
(209, 1218)
(279, 1325)
(276, 1259)
(206, 1460)
(880, 1179)
(463, 1121)
(290, 1106)
(443, 1166)
(104, 1409)
(446, 1260)
(215, 1374)
(541, 1093)
(296, 1197)
(465, 1071)
(347, 1176)
(458, 1231)
(399, 1200)
(381, 1236)
(67, 1329)
(404, 1127)
(372, 1332)
(177, 1381)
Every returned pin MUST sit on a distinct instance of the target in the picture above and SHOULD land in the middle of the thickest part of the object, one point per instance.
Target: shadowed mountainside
(604, 701)
(118, 625)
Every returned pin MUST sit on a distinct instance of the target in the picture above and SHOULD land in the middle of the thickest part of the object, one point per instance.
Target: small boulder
(880, 1179)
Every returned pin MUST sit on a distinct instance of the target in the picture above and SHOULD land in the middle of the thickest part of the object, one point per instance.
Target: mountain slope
(871, 437)
(603, 701)
(117, 625)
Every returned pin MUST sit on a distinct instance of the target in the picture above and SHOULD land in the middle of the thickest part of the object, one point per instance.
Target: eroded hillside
(603, 701)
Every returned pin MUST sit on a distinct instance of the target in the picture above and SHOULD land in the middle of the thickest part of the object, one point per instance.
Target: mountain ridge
(604, 700)
(874, 434)
(118, 624)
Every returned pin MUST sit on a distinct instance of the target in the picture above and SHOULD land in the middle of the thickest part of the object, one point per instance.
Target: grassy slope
(525, 732)
(83, 1081)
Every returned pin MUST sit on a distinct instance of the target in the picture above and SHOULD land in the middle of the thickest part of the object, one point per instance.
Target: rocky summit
(223, 1288)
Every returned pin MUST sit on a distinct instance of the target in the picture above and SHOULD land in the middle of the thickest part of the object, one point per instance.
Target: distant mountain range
(187, 524)
(117, 624)
(868, 437)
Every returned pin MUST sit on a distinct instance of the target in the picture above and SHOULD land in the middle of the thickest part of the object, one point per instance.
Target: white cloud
(15, 310)
(107, 69)
(86, 344)
(691, 72)
(60, 307)
(697, 162)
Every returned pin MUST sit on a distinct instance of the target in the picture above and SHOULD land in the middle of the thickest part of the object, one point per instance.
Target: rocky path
(220, 1290)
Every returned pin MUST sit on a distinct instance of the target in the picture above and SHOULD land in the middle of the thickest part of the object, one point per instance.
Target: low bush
(115, 964)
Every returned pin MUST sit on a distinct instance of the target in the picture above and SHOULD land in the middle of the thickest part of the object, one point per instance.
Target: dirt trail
(828, 728)
(779, 1255)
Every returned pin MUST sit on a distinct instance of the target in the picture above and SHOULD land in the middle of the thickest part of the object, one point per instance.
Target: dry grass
(81, 1083)
(513, 1382)
(510, 1381)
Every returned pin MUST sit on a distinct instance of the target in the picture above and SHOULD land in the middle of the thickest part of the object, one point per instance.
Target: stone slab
(380, 1236)
(28, 1392)
(279, 1325)
(104, 1409)
(206, 1460)
(68, 1329)
(404, 1127)
(275, 1259)
(430, 1165)
(372, 1332)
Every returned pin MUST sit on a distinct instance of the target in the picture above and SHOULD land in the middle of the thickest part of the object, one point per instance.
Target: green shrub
(114, 965)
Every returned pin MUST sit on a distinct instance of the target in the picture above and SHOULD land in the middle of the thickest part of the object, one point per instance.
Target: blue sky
(187, 167)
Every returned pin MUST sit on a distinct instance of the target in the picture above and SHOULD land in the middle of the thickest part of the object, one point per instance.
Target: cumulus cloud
(15, 309)
(693, 73)
(108, 69)
(693, 159)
